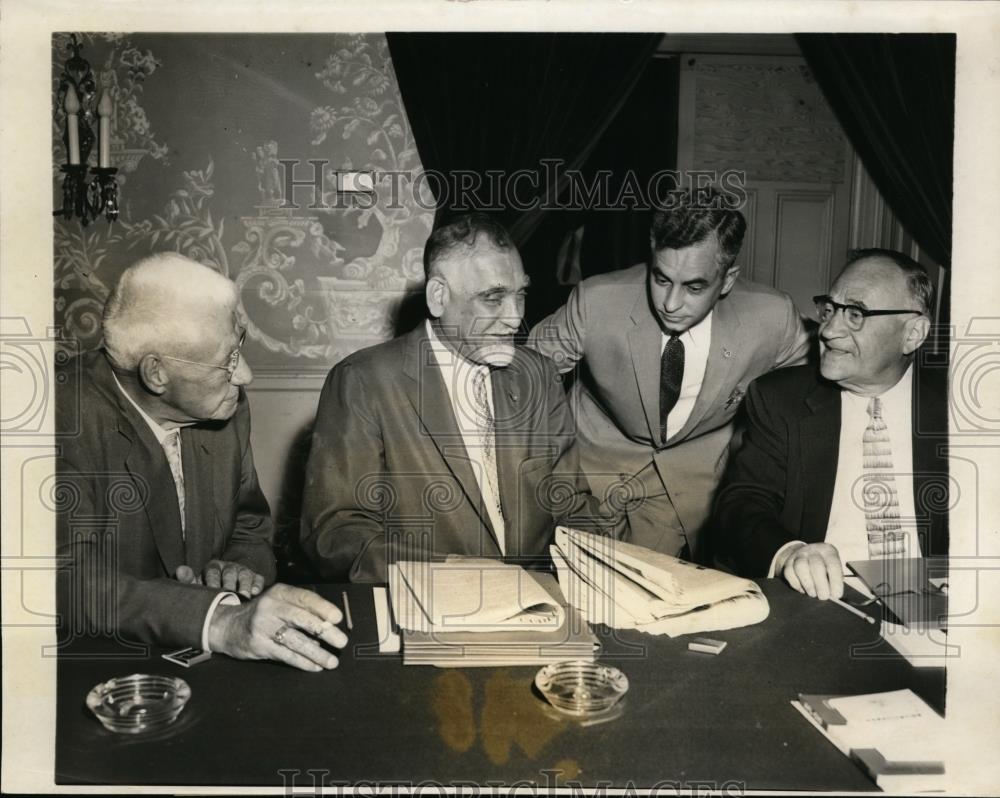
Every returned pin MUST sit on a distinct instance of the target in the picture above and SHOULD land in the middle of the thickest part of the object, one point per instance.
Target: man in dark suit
(447, 440)
(848, 463)
(667, 350)
(161, 520)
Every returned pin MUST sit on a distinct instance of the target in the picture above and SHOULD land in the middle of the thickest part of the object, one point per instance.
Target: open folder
(625, 586)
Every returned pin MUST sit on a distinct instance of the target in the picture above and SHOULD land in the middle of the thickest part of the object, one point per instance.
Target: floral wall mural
(205, 131)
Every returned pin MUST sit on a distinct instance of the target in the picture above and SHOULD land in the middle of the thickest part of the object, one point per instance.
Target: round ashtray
(580, 687)
(140, 702)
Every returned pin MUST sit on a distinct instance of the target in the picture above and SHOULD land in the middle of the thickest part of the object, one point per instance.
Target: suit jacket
(607, 324)
(779, 485)
(118, 520)
(389, 479)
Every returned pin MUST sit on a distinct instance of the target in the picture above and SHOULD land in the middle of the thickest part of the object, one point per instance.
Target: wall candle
(104, 110)
(72, 106)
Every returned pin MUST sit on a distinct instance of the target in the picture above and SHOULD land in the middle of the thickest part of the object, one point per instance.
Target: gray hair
(917, 281)
(157, 304)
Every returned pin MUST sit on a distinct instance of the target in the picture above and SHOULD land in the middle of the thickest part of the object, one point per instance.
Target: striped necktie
(172, 448)
(885, 537)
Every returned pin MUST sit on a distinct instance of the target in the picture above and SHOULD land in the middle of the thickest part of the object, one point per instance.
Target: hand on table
(814, 569)
(224, 574)
(283, 623)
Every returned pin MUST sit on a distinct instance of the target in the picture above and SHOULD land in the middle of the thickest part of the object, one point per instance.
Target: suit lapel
(819, 442)
(203, 468)
(512, 440)
(644, 341)
(150, 472)
(723, 353)
(432, 404)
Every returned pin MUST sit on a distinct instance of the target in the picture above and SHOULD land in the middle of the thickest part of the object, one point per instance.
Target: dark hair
(463, 231)
(689, 217)
(917, 280)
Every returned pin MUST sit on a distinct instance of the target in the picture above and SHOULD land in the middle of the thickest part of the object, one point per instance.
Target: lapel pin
(726, 352)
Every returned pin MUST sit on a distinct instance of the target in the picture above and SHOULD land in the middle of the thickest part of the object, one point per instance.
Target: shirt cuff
(222, 598)
(778, 555)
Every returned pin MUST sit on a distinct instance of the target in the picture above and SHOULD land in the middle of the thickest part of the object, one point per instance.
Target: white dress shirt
(161, 434)
(458, 374)
(697, 342)
(846, 527)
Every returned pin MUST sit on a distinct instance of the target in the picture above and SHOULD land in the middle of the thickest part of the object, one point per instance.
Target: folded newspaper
(625, 586)
(471, 595)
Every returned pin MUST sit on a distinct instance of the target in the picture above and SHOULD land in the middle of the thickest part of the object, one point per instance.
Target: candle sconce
(84, 199)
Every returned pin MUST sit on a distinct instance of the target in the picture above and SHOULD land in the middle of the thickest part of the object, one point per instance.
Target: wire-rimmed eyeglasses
(230, 366)
(854, 315)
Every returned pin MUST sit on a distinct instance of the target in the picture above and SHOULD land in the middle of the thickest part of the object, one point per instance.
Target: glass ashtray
(581, 688)
(138, 703)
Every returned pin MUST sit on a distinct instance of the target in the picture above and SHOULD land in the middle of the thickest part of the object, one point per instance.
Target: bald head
(165, 303)
(870, 355)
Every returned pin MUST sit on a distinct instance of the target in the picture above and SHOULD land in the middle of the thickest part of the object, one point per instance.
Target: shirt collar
(896, 396)
(698, 336)
(447, 358)
(159, 432)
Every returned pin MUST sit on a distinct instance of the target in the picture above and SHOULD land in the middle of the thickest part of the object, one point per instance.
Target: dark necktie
(671, 377)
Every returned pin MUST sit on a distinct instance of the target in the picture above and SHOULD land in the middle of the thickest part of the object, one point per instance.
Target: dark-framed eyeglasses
(854, 315)
(230, 366)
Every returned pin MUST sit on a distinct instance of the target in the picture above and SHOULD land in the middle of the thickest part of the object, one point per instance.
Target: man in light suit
(848, 463)
(447, 440)
(667, 350)
(161, 521)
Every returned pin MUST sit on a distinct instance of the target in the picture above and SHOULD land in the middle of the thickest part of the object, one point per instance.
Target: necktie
(488, 439)
(671, 377)
(885, 537)
(172, 448)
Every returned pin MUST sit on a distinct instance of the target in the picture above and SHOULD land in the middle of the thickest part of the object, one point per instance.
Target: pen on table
(347, 611)
(854, 610)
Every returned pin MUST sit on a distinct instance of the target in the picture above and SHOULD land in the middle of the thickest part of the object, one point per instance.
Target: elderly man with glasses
(162, 525)
(845, 464)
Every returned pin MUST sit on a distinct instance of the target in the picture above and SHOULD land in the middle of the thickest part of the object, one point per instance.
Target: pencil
(347, 611)
(855, 610)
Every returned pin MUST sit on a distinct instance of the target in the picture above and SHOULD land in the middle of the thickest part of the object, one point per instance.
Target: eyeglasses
(854, 315)
(231, 365)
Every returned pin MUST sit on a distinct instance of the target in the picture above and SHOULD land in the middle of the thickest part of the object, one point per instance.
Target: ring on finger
(279, 636)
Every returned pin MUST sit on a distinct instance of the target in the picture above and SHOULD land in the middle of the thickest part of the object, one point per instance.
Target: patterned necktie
(172, 448)
(671, 377)
(885, 537)
(488, 438)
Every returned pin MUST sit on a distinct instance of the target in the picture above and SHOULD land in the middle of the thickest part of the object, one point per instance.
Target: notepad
(893, 736)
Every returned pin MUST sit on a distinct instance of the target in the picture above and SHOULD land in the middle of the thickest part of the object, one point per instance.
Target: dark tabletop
(688, 719)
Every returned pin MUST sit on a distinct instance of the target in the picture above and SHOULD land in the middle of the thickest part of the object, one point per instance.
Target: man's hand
(224, 574)
(284, 623)
(814, 569)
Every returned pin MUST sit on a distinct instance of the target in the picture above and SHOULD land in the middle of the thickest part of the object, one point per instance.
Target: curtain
(894, 95)
(480, 102)
(639, 142)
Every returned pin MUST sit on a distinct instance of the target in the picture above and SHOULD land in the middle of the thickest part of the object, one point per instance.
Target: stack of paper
(913, 591)
(630, 587)
(894, 737)
(483, 612)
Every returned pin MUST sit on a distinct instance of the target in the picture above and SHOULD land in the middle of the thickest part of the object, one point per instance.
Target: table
(689, 719)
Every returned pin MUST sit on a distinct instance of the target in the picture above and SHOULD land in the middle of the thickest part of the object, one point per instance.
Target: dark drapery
(894, 94)
(640, 142)
(505, 101)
